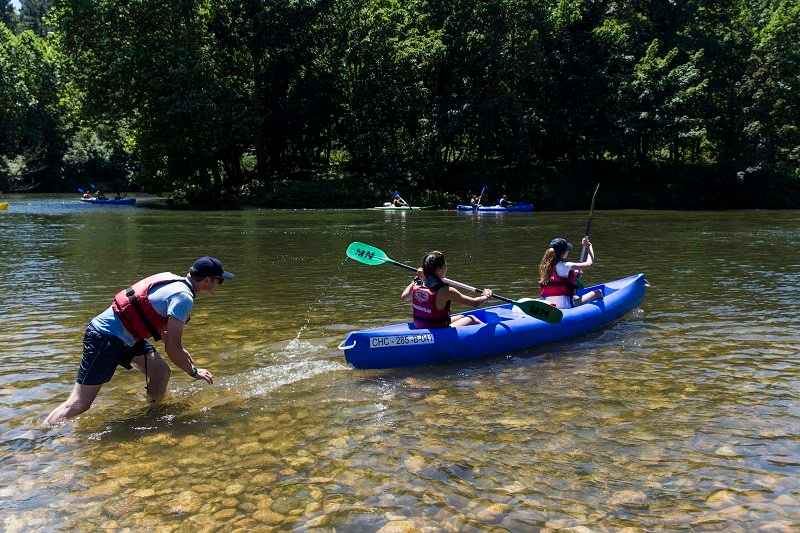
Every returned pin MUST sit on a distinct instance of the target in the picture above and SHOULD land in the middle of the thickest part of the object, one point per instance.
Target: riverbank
(564, 188)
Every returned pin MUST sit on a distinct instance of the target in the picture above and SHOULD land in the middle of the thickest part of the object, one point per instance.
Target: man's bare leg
(79, 401)
(158, 373)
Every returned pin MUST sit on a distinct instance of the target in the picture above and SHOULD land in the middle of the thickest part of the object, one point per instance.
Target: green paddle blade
(366, 254)
(539, 309)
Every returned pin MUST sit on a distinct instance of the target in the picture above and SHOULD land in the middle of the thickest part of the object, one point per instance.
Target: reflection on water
(683, 416)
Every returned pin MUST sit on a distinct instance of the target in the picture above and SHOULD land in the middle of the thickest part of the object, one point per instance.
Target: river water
(685, 415)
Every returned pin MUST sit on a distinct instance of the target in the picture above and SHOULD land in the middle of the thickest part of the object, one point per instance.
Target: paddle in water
(483, 190)
(585, 250)
(367, 254)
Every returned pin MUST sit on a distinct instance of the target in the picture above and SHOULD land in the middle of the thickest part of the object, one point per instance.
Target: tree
(772, 121)
(36, 110)
(8, 14)
(32, 15)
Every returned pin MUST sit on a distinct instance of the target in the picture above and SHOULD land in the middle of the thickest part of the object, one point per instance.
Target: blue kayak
(121, 201)
(516, 208)
(506, 329)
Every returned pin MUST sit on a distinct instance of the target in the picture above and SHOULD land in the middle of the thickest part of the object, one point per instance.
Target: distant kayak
(516, 208)
(3, 206)
(506, 329)
(121, 201)
(399, 208)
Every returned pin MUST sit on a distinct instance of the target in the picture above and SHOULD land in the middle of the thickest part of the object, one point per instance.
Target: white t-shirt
(563, 268)
(562, 302)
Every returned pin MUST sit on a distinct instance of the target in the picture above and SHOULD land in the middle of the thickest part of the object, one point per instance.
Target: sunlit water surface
(685, 415)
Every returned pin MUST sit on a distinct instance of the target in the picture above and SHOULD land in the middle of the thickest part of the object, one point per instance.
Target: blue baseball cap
(208, 266)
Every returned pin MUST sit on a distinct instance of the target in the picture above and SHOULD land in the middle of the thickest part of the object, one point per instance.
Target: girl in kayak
(558, 277)
(430, 298)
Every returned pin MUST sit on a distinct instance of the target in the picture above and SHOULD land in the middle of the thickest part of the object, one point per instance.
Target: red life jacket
(558, 286)
(423, 306)
(134, 309)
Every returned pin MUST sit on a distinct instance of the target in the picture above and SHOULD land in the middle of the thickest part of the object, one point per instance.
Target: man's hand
(205, 375)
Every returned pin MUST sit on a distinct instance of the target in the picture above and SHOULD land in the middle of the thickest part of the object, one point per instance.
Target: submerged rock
(414, 463)
(186, 502)
(189, 441)
(777, 526)
(721, 498)
(264, 478)
(493, 512)
(726, 451)
(234, 489)
(144, 493)
(628, 497)
(269, 517)
(250, 448)
(224, 515)
(319, 521)
(398, 526)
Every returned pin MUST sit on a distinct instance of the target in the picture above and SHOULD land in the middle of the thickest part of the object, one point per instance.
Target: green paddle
(372, 256)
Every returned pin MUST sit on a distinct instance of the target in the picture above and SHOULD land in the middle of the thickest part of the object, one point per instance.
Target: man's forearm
(181, 358)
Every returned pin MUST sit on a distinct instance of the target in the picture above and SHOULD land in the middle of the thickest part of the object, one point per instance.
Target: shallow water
(685, 415)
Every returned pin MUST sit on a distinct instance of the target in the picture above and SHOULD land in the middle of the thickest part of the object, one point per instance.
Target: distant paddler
(397, 200)
(155, 307)
(558, 277)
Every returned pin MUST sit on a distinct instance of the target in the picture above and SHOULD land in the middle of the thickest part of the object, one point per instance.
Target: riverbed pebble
(414, 463)
(268, 517)
(627, 497)
(234, 489)
(398, 526)
(186, 502)
(224, 515)
(726, 451)
(492, 512)
(721, 498)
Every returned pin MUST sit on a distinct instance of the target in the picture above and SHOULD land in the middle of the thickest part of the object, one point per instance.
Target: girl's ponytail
(549, 261)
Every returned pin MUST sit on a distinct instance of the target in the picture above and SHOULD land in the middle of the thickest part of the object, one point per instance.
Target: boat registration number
(400, 340)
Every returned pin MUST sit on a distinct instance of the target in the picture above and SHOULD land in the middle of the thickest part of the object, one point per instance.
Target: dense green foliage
(7, 14)
(687, 104)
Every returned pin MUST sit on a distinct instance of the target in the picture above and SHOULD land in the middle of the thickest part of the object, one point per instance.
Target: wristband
(194, 372)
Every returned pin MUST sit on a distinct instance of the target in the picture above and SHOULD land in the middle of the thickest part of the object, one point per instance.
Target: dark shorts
(102, 353)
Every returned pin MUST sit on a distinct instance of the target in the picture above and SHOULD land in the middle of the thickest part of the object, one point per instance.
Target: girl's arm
(589, 257)
(456, 296)
(406, 294)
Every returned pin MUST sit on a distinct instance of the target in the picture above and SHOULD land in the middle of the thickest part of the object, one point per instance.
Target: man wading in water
(156, 306)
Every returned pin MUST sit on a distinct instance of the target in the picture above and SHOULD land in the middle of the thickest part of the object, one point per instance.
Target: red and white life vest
(423, 306)
(134, 309)
(558, 286)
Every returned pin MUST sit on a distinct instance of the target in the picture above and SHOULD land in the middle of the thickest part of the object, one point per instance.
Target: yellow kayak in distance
(3, 206)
